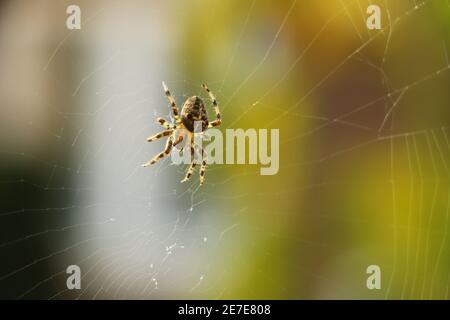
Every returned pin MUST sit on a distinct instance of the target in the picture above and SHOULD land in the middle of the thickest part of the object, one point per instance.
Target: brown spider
(193, 111)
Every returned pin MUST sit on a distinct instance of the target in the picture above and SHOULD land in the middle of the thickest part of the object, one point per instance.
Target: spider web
(364, 149)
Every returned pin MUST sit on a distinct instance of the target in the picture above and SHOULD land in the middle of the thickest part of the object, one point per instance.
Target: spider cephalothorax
(193, 111)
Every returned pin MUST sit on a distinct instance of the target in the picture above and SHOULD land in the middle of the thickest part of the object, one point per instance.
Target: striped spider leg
(218, 120)
(195, 149)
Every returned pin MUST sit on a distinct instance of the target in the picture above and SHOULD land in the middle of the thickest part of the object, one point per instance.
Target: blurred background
(364, 150)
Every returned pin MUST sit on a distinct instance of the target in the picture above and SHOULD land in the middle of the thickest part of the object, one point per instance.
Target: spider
(193, 110)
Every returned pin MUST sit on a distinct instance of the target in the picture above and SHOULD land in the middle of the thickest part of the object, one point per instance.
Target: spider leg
(218, 120)
(159, 135)
(203, 167)
(162, 154)
(172, 103)
(191, 168)
(214, 123)
(165, 123)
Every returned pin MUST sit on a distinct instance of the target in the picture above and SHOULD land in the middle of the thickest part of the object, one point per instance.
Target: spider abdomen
(194, 110)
